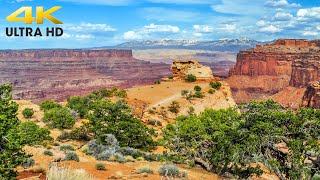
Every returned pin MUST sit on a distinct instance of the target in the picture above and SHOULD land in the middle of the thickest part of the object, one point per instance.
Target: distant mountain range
(229, 45)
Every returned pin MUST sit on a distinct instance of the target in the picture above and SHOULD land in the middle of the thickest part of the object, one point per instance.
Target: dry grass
(65, 173)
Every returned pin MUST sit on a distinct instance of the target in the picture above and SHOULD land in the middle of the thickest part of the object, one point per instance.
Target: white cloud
(240, 7)
(270, 29)
(203, 28)
(310, 33)
(309, 13)
(77, 36)
(151, 30)
(130, 35)
(89, 27)
(161, 28)
(261, 23)
(281, 3)
(102, 2)
(283, 16)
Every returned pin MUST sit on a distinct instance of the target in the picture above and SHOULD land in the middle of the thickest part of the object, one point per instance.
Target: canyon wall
(266, 70)
(39, 75)
(64, 55)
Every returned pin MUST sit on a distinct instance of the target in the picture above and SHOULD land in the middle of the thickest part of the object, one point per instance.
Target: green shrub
(174, 107)
(145, 169)
(159, 123)
(169, 170)
(60, 118)
(47, 105)
(199, 94)
(29, 133)
(157, 82)
(100, 167)
(170, 77)
(129, 159)
(152, 122)
(71, 156)
(80, 133)
(151, 111)
(197, 88)
(211, 91)
(66, 147)
(28, 113)
(29, 162)
(48, 153)
(191, 78)
(215, 85)
(191, 110)
(79, 104)
(119, 121)
(63, 136)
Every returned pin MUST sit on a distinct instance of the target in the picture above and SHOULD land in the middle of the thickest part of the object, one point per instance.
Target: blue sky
(92, 23)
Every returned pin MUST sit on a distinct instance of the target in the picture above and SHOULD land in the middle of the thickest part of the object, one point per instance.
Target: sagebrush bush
(170, 170)
(129, 151)
(28, 113)
(48, 153)
(129, 159)
(71, 156)
(29, 162)
(145, 169)
(152, 122)
(100, 167)
(66, 147)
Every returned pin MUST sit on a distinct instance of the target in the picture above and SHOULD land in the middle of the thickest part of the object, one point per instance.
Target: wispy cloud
(281, 3)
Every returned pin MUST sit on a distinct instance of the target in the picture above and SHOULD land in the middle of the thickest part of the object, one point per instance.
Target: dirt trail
(167, 100)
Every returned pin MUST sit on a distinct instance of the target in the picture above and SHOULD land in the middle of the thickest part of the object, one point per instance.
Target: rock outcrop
(57, 74)
(269, 69)
(311, 97)
(182, 68)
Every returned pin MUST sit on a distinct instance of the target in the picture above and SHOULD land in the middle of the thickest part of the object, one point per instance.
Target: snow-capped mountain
(227, 44)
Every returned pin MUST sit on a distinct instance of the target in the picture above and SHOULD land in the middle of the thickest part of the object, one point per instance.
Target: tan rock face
(311, 97)
(272, 68)
(182, 68)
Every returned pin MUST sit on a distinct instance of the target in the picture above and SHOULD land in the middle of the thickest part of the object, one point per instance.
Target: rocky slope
(56, 74)
(268, 69)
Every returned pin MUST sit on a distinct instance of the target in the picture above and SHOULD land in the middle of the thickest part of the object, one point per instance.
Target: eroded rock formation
(311, 97)
(269, 69)
(56, 74)
(182, 68)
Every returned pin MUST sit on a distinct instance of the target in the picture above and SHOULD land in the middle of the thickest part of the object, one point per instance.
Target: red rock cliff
(268, 69)
(64, 55)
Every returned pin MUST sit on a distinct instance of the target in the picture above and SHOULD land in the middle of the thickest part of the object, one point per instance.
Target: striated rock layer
(56, 74)
(270, 69)
(311, 97)
(182, 68)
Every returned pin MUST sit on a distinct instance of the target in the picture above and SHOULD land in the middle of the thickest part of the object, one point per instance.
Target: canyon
(268, 71)
(39, 75)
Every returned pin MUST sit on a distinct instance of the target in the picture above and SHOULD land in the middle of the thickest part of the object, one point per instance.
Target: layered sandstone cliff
(56, 74)
(311, 97)
(64, 55)
(270, 69)
(182, 68)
